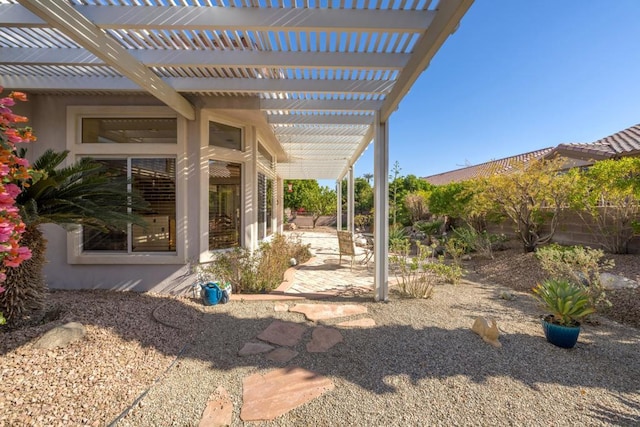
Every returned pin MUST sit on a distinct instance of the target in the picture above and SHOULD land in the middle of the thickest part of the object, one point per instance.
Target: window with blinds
(224, 204)
(155, 180)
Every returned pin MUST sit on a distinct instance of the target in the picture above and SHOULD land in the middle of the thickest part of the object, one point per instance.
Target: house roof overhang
(318, 72)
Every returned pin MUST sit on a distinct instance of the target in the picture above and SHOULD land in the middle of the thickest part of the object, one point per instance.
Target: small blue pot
(562, 336)
(211, 293)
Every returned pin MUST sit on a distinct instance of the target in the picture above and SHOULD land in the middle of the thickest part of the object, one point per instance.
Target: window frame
(75, 114)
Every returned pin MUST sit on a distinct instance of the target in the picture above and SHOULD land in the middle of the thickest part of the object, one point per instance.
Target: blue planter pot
(562, 336)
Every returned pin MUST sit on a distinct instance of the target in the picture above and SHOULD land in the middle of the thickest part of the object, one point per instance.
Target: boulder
(61, 336)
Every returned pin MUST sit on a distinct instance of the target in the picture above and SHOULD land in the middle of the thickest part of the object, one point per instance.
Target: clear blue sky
(519, 76)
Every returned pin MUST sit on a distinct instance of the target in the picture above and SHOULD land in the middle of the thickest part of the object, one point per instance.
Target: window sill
(127, 259)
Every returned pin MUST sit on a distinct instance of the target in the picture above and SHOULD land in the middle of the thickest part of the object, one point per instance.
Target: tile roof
(623, 143)
(620, 144)
(485, 169)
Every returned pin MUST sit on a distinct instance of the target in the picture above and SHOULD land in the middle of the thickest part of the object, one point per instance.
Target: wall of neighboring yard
(571, 230)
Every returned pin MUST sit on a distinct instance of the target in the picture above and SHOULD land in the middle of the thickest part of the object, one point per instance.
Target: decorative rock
(255, 348)
(219, 410)
(287, 334)
(315, 312)
(279, 391)
(612, 281)
(507, 295)
(488, 333)
(322, 339)
(281, 307)
(61, 336)
(360, 323)
(281, 355)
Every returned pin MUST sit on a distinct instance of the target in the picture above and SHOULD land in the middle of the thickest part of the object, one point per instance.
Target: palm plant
(85, 194)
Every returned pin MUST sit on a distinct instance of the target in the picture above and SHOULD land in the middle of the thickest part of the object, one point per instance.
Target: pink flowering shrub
(14, 171)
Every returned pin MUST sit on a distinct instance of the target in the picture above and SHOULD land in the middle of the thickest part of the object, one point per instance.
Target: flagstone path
(268, 395)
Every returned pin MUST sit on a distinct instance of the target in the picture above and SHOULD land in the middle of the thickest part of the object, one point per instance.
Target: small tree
(607, 199)
(532, 195)
(416, 205)
(320, 201)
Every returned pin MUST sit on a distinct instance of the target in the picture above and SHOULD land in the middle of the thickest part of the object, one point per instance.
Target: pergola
(326, 75)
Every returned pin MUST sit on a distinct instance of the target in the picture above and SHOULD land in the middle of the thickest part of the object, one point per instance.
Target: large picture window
(224, 204)
(155, 180)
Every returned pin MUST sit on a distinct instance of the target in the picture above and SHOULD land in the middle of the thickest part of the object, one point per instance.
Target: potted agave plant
(569, 304)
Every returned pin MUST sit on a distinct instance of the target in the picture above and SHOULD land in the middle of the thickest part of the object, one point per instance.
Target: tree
(295, 199)
(607, 199)
(81, 194)
(320, 201)
(532, 195)
(368, 177)
(362, 194)
(417, 205)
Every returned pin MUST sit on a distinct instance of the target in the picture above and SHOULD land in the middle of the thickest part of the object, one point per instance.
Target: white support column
(276, 205)
(339, 203)
(350, 201)
(381, 208)
(250, 185)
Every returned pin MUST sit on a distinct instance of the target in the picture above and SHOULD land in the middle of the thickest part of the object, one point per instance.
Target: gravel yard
(420, 364)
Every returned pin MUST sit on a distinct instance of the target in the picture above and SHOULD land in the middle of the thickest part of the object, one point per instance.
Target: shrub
(579, 265)
(480, 242)
(449, 273)
(260, 271)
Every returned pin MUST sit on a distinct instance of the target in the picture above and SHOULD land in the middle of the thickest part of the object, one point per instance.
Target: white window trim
(178, 151)
(208, 153)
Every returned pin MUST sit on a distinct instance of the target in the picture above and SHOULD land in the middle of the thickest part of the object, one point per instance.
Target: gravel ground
(421, 364)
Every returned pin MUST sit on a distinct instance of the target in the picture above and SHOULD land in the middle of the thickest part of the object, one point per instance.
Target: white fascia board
(318, 104)
(68, 83)
(62, 16)
(351, 140)
(223, 59)
(446, 21)
(364, 143)
(328, 131)
(320, 119)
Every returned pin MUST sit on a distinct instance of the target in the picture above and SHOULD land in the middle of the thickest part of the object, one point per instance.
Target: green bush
(260, 271)
(579, 265)
(480, 242)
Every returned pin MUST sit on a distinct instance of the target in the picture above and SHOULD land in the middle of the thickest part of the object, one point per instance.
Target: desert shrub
(258, 271)
(578, 264)
(398, 239)
(429, 228)
(456, 248)
(480, 242)
(362, 222)
(417, 275)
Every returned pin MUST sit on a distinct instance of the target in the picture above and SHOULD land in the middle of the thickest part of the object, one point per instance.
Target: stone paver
(255, 348)
(281, 355)
(282, 333)
(219, 410)
(359, 323)
(281, 307)
(323, 338)
(315, 312)
(278, 391)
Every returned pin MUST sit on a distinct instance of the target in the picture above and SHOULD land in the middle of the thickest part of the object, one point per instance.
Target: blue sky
(518, 76)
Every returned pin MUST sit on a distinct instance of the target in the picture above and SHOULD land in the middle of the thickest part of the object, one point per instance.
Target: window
(225, 136)
(155, 180)
(129, 131)
(224, 204)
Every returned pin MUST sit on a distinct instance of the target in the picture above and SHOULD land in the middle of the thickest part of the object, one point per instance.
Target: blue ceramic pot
(562, 336)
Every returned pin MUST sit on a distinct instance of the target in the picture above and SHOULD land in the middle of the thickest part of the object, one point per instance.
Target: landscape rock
(323, 338)
(281, 355)
(61, 336)
(315, 312)
(282, 333)
(219, 410)
(254, 348)
(612, 281)
(265, 397)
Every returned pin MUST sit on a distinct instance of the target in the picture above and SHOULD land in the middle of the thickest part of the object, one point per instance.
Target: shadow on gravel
(367, 357)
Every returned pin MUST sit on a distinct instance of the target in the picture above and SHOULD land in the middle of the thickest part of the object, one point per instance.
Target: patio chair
(346, 246)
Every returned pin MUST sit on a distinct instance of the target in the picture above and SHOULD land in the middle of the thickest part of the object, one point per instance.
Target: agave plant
(83, 193)
(568, 303)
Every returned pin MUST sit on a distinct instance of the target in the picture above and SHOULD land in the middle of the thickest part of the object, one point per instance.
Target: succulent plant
(569, 303)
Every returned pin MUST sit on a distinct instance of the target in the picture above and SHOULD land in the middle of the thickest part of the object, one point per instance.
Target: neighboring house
(209, 108)
(620, 144)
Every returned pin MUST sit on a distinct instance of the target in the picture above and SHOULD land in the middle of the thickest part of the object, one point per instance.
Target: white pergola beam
(320, 119)
(223, 58)
(450, 12)
(228, 18)
(194, 84)
(319, 104)
(74, 25)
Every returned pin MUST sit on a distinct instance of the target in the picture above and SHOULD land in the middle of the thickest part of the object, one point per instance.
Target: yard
(419, 365)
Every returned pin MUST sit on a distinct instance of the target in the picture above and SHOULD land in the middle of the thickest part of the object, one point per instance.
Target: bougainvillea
(14, 172)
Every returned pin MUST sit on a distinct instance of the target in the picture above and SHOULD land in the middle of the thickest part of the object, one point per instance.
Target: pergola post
(381, 208)
(350, 200)
(339, 205)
